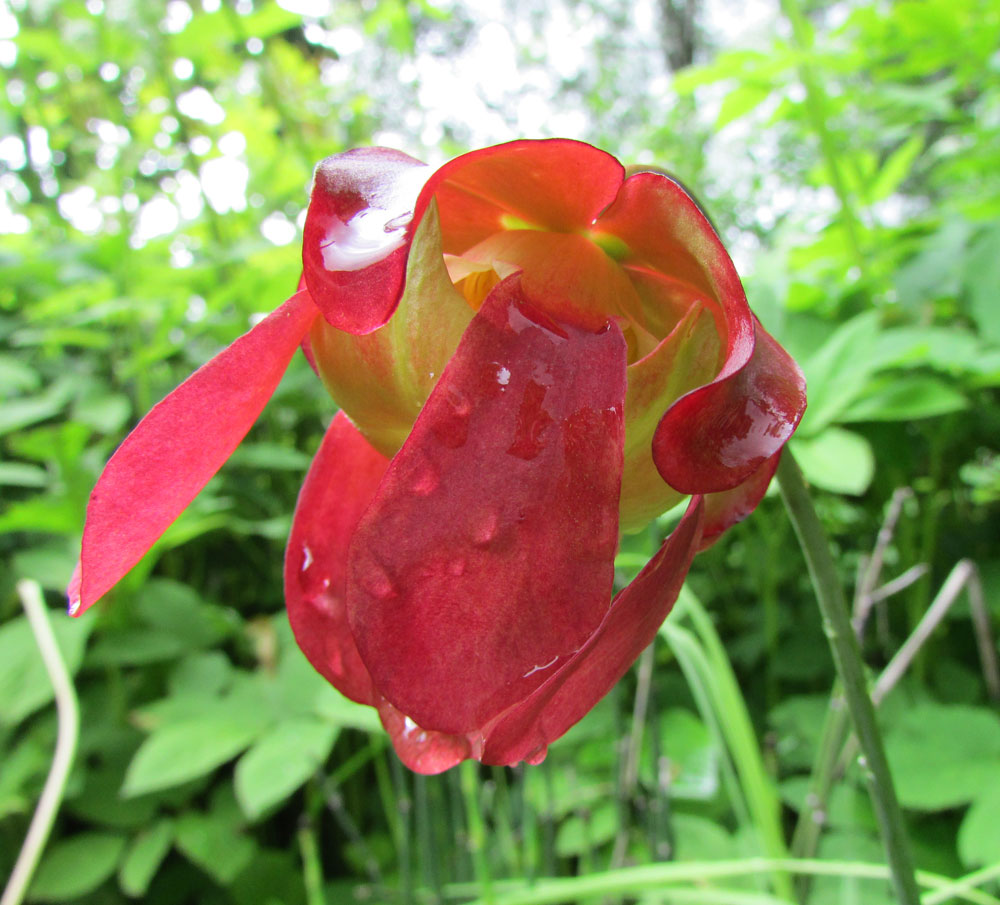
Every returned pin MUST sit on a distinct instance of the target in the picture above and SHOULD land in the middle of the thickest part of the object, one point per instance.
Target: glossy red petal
(340, 484)
(356, 236)
(714, 438)
(180, 444)
(554, 184)
(725, 509)
(717, 436)
(486, 556)
(526, 729)
(423, 750)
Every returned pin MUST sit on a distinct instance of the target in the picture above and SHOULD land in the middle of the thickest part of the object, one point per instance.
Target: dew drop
(503, 377)
(425, 479)
(378, 584)
(485, 529)
(307, 557)
(408, 726)
(74, 606)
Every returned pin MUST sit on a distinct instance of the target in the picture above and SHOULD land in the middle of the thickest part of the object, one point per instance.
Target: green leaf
(979, 834)
(179, 752)
(896, 168)
(982, 275)
(943, 756)
(689, 755)
(836, 460)
(280, 762)
(905, 398)
(76, 866)
(746, 96)
(838, 371)
(144, 856)
(585, 832)
(214, 844)
(24, 683)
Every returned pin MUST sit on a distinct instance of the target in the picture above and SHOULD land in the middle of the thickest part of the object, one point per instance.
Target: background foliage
(154, 163)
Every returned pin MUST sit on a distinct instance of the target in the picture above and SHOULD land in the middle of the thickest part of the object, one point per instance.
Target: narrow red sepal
(173, 452)
(340, 484)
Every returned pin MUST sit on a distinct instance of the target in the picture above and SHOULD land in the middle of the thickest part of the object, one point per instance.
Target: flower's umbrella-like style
(531, 352)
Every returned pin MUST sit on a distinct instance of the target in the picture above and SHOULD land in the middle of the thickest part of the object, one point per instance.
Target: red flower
(530, 353)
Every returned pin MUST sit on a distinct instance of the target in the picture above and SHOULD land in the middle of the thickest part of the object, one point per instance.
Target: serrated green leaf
(24, 683)
(905, 398)
(179, 752)
(943, 756)
(979, 834)
(76, 866)
(836, 460)
(214, 845)
(145, 854)
(281, 761)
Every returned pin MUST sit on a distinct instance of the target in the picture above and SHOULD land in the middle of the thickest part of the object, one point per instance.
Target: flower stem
(68, 714)
(847, 656)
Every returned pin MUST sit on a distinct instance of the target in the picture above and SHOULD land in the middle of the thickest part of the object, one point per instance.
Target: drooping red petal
(179, 445)
(340, 484)
(423, 750)
(486, 555)
(356, 236)
(717, 436)
(714, 438)
(554, 184)
(725, 509)
(527, 728)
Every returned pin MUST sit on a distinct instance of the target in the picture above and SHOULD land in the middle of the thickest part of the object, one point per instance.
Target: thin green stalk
(847, 656)
(67, 734)
(312, 868)
(475, 830)
(817, 109)
(739, 735)
(694, 875)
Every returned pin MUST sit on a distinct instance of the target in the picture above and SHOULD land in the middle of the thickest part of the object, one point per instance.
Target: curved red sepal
(555, 183)
(716, 437)
(526, 729)
(487, 553)
(340, 484)
(356, 236)
(173, 452)
(725, 509)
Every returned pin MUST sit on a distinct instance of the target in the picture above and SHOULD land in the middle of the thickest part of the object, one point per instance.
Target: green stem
(67, 734)
(847, 656)
(817, 109)
(476, 831)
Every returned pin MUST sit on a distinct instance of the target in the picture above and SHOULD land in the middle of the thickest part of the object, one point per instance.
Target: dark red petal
(555, 184)
(486, 556)
(180, 444)
(725, 509)
(525, 731)
(356, 236)
(423, 750)
(306, 346)
(717, 436)
(339, 486)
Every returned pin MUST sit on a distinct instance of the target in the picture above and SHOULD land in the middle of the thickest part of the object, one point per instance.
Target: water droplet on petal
(451, 418)
(425, 479)
(307, 557)
(74, 606)
(485, 528)
(503, 377)
(377, 583)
